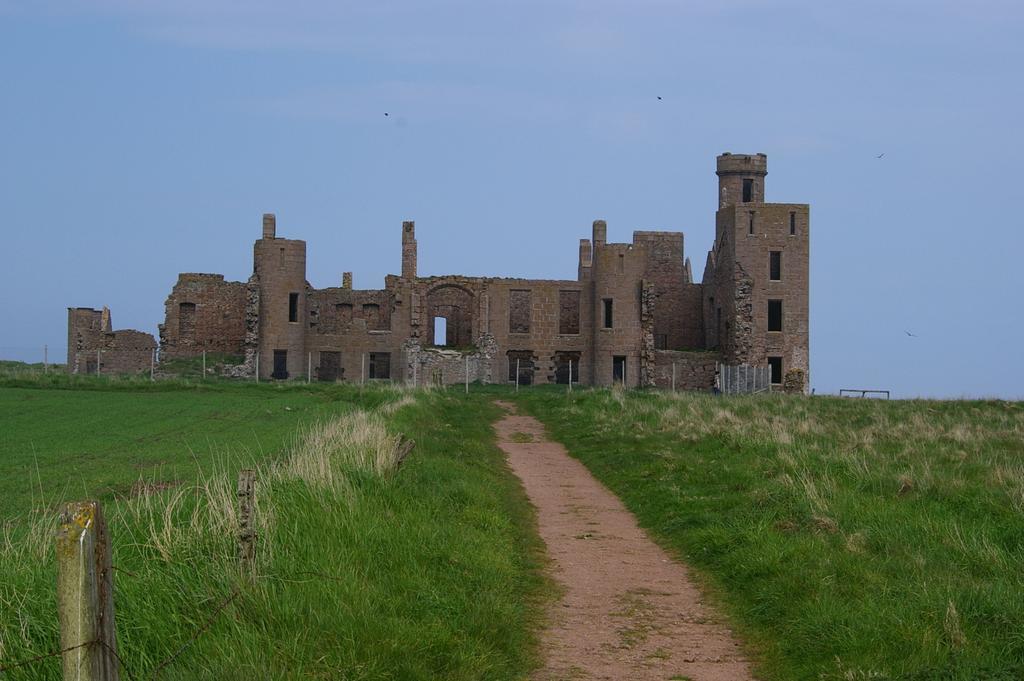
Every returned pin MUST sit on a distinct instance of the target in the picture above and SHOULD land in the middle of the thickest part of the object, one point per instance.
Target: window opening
(293, 307)
(440, 331)
(330, 366)
(619, 369)
(186, 320)
(775, 315)
(568, 312)
(748, 191)
(280, 365)
(775, 265)
(380, 365)
(775, 366)
(607, 313)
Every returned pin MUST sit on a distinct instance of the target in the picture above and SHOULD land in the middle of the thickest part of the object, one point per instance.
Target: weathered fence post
(570, 375)
(257, 366)
(152, 365)
(246, 522)
(98, 363)
(85, 594)
(517, 375)
(673, 376)
(204, 365)
(46, 359)
(467, 374)
(309, 367)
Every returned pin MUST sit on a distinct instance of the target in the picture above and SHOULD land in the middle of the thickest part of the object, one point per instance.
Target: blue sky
(142, 138)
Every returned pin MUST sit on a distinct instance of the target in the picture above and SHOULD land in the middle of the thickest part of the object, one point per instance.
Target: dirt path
(628, 610)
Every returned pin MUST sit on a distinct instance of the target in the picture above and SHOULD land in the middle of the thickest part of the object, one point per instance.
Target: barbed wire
(168, 661)
(199, 632)
(44, 656)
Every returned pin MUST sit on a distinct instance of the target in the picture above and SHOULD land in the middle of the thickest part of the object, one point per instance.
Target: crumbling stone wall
(427, 365)
(94, 347)
(204, 313)
(694, 370)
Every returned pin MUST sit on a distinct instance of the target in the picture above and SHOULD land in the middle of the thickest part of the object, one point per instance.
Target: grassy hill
(848, 539)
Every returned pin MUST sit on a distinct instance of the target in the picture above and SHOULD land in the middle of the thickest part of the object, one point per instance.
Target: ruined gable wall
(204, 313)
(93, 346)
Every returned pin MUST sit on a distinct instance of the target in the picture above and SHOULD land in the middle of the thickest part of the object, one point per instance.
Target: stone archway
(455, 304)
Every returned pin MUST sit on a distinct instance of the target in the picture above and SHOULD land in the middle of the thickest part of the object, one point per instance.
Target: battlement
(743, 164)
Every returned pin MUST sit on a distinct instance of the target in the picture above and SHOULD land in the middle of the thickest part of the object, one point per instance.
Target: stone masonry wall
(693, 370)
(214, 321)
(94, 347)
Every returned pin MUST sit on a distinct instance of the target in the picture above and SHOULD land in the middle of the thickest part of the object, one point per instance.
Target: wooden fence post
(85, 594)
(246, 529)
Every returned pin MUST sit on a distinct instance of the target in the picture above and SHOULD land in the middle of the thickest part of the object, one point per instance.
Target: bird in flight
(880, 155)
(912, 335)
(659, 98)
(385, 114)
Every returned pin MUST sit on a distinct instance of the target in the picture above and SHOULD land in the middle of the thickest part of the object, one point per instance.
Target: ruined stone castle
(633, 315)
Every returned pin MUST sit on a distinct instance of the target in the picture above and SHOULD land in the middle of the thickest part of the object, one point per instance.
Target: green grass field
(847, 539)
(365, 570)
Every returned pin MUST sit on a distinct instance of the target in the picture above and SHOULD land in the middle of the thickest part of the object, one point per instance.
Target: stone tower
(756, 281)
(280, 268)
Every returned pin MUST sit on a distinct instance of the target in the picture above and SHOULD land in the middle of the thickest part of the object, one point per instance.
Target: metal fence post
(85, 594)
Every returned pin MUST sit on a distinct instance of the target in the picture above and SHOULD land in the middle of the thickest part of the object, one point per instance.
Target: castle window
(775, 315)
(661, 341)
(440, 331)
(775, 365)
(186, 320)
(293, 307)
(619, 369)
(622, 263)
(564, 361)
(748, 191)
(750, 228)
(523, 361)
(372, 315)
(775, 265)
(607, 313)
(519, 304)
(280, 365)
(792, 223)
(380, 365)
(568, 312)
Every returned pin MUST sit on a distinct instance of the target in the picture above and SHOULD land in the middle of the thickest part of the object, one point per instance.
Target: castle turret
(280, 267)
(741, 178)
